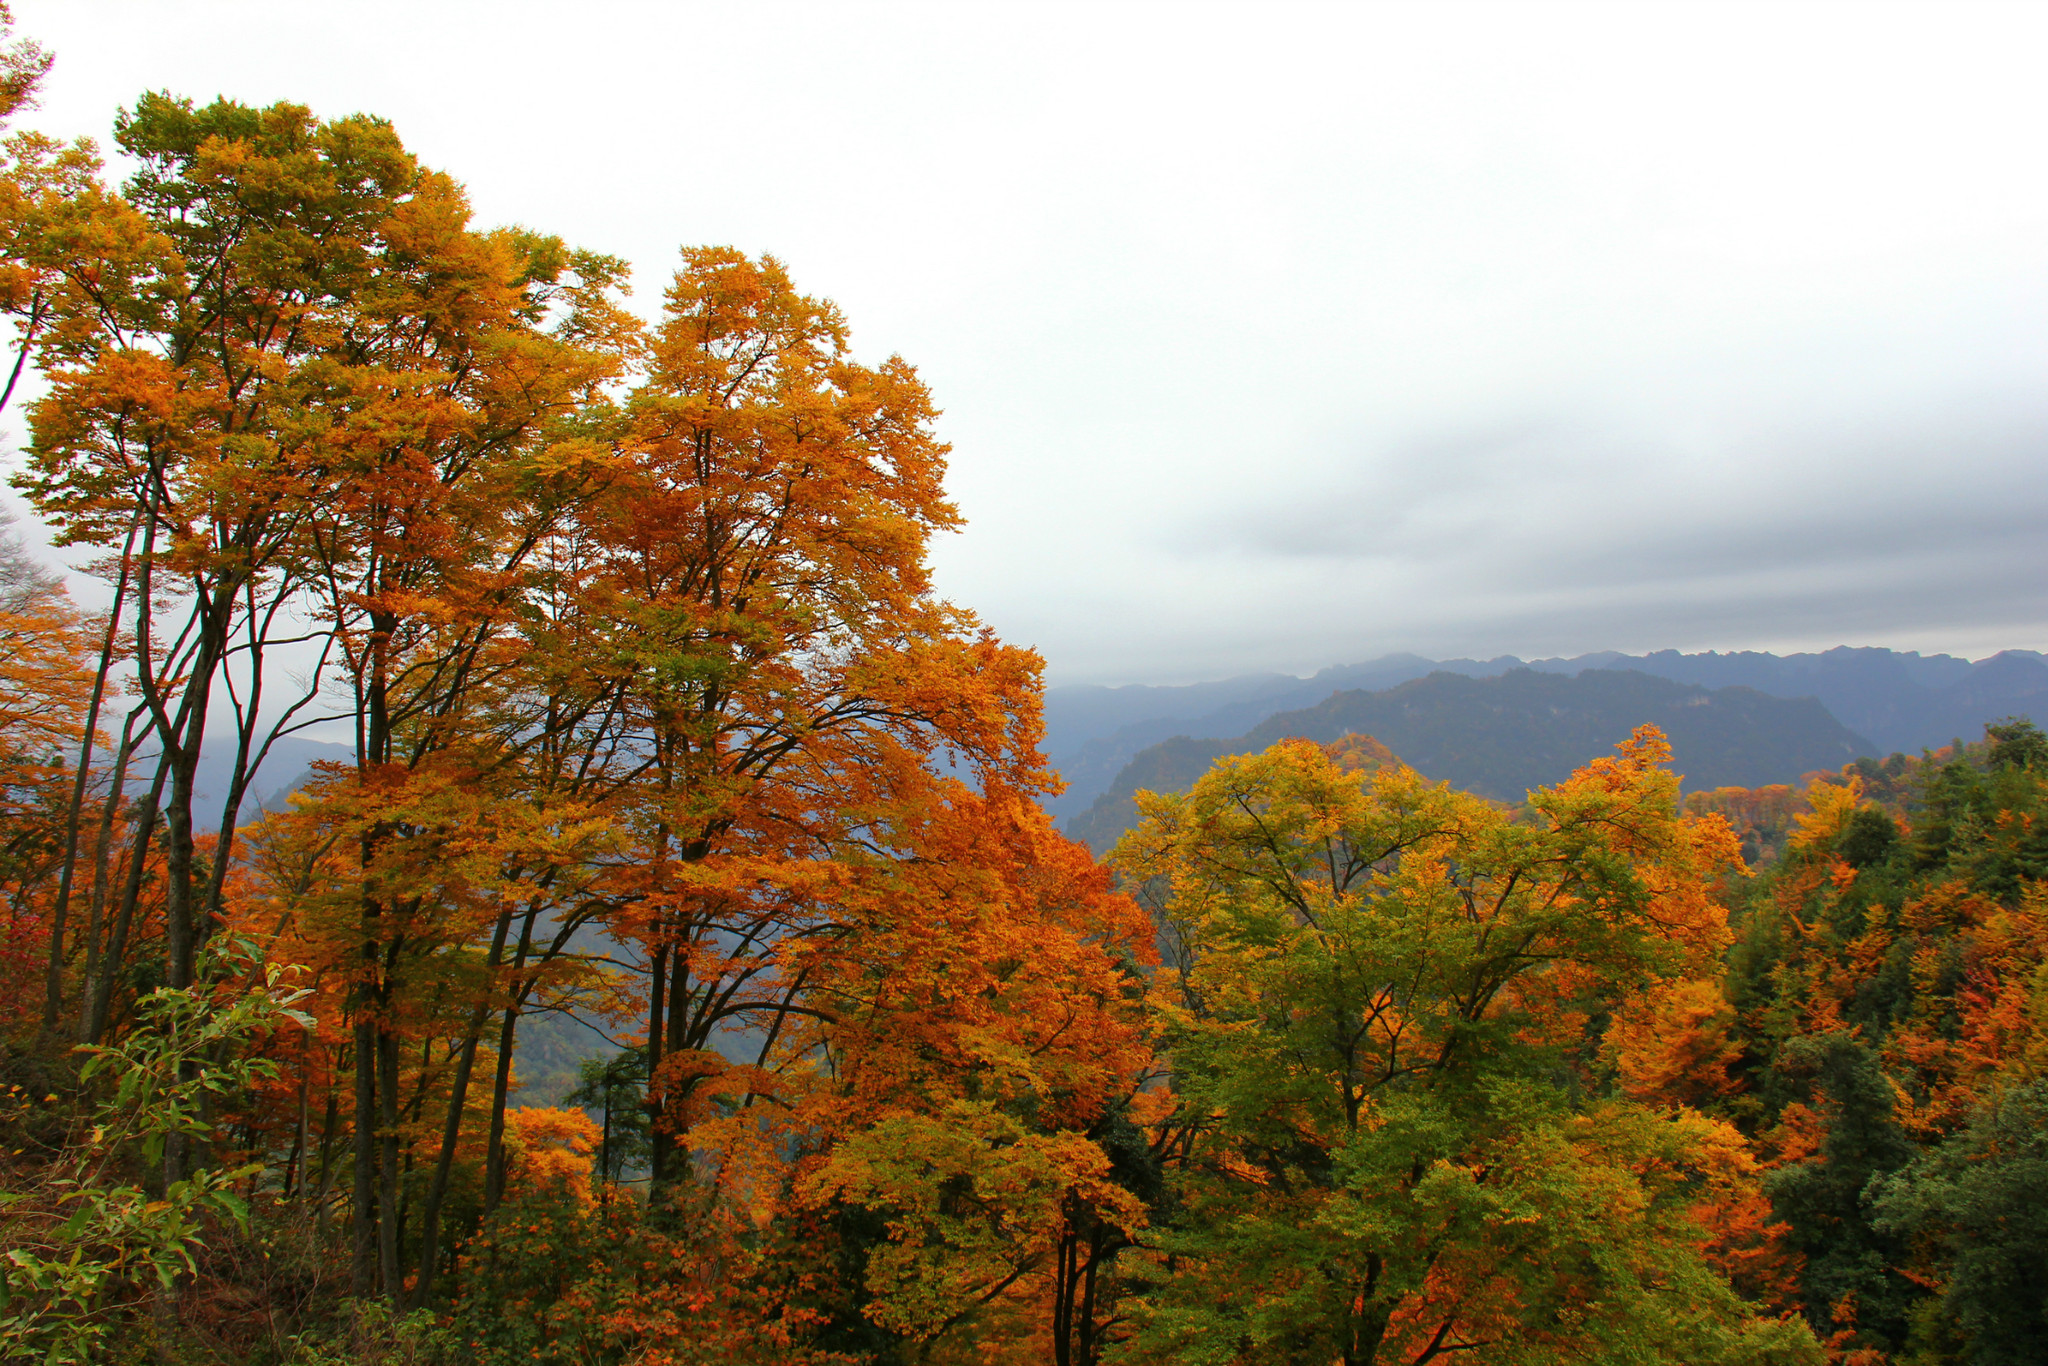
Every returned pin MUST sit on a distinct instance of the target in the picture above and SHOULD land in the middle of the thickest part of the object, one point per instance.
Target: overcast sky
(1277, 336)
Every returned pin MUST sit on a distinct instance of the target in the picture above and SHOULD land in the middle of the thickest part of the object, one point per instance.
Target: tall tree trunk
(376, 1084)
(131, 894)
(117, 783)
(389, 1217)
(53, 985)
(501, 1091)
(1087, 1326)
(501, 1088)
(295, 1164)
(330, 1124)
(181, 742)
(680, 1033)
(363, 1210)
(1063, 1295)
(666, 1157)
(657, 1014)
(458, 1091)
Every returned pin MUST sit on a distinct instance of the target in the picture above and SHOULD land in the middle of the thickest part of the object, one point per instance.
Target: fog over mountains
(1869, 700)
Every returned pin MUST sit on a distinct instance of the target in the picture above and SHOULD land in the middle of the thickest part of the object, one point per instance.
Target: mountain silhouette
(1523, 728)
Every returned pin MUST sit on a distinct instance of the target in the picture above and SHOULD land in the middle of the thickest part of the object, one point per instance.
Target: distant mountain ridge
(1898, 700)
(1522, 728)
(1901, 701)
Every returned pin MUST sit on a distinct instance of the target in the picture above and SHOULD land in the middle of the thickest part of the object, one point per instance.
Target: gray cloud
(1279, 336)
(1915, 515)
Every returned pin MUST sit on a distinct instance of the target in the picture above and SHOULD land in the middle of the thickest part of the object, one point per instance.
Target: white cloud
(1271, 336)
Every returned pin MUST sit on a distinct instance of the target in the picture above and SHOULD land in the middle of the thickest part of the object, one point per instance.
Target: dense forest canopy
(658, 726)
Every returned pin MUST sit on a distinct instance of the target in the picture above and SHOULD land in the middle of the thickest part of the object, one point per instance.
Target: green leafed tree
(1977, 1204)
(1389, 1145)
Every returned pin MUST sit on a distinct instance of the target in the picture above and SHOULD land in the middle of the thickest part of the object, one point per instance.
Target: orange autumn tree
(185, 325)
(799, 793)
(306, 406)
(46, 684)
(986, 1037)
(851, 912)
(1373, 1156)
(456, 439)
(292, 379)
(757, 601)
(933, 1123)
(1761, 817)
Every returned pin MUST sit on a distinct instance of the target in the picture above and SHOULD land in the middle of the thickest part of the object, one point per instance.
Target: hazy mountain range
(1535, 729)
(1883, 700)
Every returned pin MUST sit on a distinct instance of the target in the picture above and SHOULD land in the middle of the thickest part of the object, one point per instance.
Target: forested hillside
(1878, 1034)
(1502, 735)
(1433, 1097)
(1480, 1040)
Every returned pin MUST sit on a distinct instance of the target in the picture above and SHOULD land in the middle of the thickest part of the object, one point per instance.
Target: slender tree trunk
(248, 758)
(458, 1091)
(180, 948)
(667, 1163)
(376, 1259)
(295, 1165)
(501, 1089)
(53, 985)
(330, 1124)
(181, 945)
(363, 1211)
(182, 908)
(117, 783)
(131, 894)
(28, 336)
(389, 1216)
(1063, 1298)
(1087, 1333)
(657, 1014)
